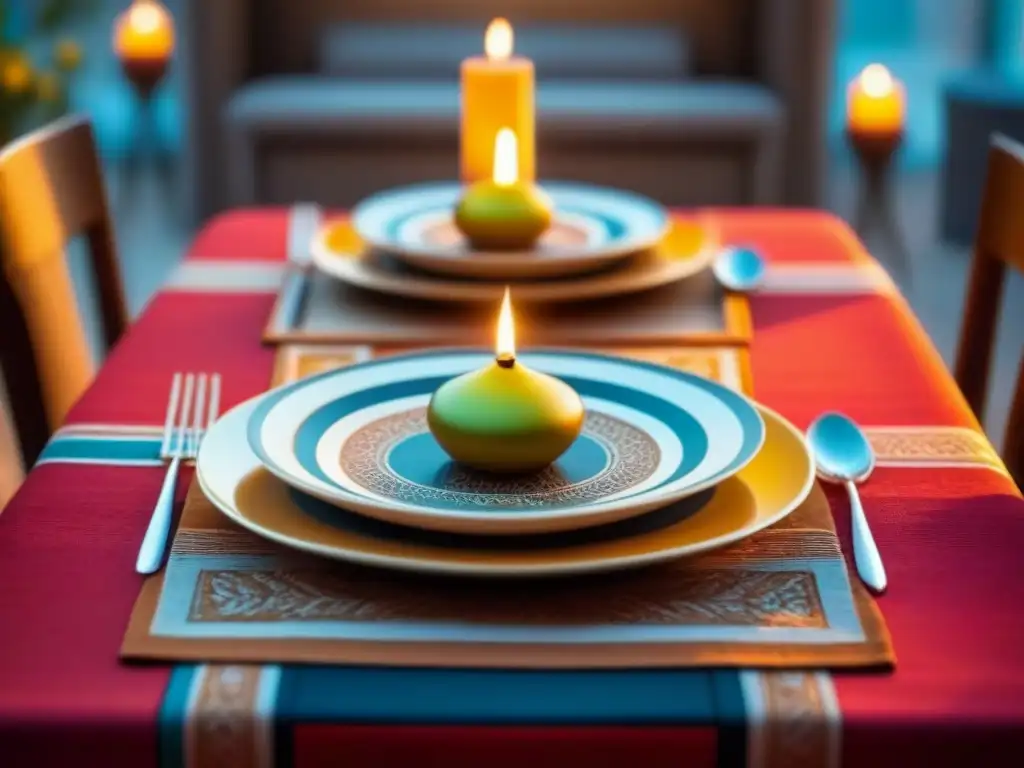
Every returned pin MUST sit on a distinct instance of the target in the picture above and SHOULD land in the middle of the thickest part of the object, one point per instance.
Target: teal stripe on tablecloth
(731, 718)
(504, 697)
(393, 696)
(172, 715)
(102, 450)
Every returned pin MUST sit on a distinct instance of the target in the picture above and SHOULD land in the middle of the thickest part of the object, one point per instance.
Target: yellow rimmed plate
(687, 249)
(771, 486)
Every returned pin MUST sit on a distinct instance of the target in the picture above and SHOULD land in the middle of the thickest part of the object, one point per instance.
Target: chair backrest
(11, 469)
(999, 242)
(51, 190)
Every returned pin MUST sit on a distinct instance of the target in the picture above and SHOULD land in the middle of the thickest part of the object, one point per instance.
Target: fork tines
(189, 414)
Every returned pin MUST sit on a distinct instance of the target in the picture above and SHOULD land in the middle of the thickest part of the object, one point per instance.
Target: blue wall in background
(878, 23)
(923, 42)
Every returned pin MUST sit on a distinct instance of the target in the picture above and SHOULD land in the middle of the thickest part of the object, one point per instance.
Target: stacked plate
(343, 465)
(602, 242)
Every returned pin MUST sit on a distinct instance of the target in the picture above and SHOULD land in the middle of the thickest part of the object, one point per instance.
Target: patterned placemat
(314, 308)
(782, 598)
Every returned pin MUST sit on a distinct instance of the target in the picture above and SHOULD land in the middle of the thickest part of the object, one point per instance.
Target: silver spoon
(739, 268)
(843, 455)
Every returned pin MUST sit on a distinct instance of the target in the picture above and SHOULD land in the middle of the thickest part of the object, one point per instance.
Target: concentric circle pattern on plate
(767, 489)
(592, 228)
(357, 437)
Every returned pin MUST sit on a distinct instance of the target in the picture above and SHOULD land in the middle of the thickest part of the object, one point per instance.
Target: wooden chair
(51, 190)
(11, 470)
(999, 242)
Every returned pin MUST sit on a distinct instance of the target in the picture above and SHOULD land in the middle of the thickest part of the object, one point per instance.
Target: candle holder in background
(144, 43)
(144, 75)
(876, 109)
(875, 214)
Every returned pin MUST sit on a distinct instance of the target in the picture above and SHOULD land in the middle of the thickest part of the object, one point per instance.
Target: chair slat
(999, 243)
(51, 190)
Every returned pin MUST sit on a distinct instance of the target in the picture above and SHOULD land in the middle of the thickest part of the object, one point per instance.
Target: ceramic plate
(357, 437)
(592, 228)
(687, 250)
(767, 489)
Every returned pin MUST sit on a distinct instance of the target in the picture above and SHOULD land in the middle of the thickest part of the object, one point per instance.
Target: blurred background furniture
(977, 103)
(690, 101)
(51, 190)
(1000, 242)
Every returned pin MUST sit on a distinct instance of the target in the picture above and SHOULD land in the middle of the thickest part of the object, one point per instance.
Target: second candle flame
(498, 40)
(876, 81)
(506, 346)
(506, 158)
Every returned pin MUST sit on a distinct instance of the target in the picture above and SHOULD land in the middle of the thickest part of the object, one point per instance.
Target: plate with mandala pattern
(357, 437)
(761, 494)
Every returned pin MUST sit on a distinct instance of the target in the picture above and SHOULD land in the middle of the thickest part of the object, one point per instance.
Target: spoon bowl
(739, 268)
(841, 450)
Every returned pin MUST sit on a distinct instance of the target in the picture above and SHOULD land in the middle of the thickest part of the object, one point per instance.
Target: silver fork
(180, 443)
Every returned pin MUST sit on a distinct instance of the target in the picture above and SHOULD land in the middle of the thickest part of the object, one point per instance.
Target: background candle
(497, 92)
(144, 31)
(876, 103)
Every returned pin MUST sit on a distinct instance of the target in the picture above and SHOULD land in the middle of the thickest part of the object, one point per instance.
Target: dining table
(830, 332)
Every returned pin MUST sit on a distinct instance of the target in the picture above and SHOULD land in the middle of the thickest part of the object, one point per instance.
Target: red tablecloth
(830, 334)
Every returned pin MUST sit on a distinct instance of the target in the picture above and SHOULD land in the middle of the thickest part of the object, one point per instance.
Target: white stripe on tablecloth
(245, 276)
(902, 446)
(211, 276)
(87, 429)
(860, 277)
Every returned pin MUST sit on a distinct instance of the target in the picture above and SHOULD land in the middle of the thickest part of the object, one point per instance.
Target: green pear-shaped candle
(503, 213)
(505, 417)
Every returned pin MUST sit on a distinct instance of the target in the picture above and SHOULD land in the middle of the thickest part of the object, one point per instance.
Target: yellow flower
(48, 87)
(68, 54)
(16, 75)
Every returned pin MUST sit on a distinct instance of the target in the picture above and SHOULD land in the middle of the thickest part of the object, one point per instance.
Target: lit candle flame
(876, 81)
(145, 17)
(498, 40)
(144, 30)
(506, 346)
(506, 158)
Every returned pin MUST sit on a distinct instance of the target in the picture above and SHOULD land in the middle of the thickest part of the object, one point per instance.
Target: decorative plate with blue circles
(592, 227)
(357, 437)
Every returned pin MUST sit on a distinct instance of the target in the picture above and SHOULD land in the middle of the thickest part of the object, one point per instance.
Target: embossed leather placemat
(315, 308)
(782, 598)
(228, 595)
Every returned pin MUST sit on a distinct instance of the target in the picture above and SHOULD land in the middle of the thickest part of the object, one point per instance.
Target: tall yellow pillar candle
(497, 92)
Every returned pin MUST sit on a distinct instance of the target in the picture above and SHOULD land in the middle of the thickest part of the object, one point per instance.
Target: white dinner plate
(357, 437)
